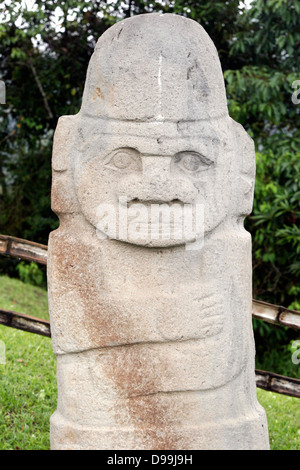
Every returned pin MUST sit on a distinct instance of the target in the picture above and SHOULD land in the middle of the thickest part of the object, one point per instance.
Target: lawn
(28, 383)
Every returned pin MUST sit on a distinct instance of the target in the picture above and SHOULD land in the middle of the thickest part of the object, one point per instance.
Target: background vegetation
(45, 47)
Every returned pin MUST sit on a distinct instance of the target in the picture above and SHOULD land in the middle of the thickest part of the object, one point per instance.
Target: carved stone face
(156, 149)
(134, 182)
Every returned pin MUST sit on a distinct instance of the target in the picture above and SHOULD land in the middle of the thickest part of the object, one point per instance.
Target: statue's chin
(163, 241)
(166, 243)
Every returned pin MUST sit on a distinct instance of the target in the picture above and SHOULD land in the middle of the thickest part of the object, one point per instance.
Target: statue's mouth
(155, 224)
(155, 201)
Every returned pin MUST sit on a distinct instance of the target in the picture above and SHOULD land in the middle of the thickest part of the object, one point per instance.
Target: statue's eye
(125, 159)
(192, 162)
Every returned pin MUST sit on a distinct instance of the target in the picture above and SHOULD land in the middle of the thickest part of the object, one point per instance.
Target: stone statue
(150, 269)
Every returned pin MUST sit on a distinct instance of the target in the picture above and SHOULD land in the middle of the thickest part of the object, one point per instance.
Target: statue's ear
(63, 197)
(245, 170)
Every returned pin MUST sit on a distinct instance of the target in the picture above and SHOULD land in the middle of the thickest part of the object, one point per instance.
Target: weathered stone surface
(151, 324)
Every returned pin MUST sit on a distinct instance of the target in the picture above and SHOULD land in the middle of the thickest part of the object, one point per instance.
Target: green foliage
(274, 348)
(30, 273)
(267, 42)
(275, 227)
(261, 96)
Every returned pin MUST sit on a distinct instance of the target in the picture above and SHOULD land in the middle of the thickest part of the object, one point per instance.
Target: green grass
(28, 382)
(23, 298)
(283, 414)
(27, 390)
(27, 379)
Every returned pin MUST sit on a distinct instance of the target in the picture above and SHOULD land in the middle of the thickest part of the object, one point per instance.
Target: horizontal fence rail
(25, 322)
(23, 249)
(277, 383)
(275, 314)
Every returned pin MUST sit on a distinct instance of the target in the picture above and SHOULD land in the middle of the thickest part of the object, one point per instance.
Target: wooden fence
(275, 314)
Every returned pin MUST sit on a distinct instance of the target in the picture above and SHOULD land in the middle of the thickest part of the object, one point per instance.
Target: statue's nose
(156, 184)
